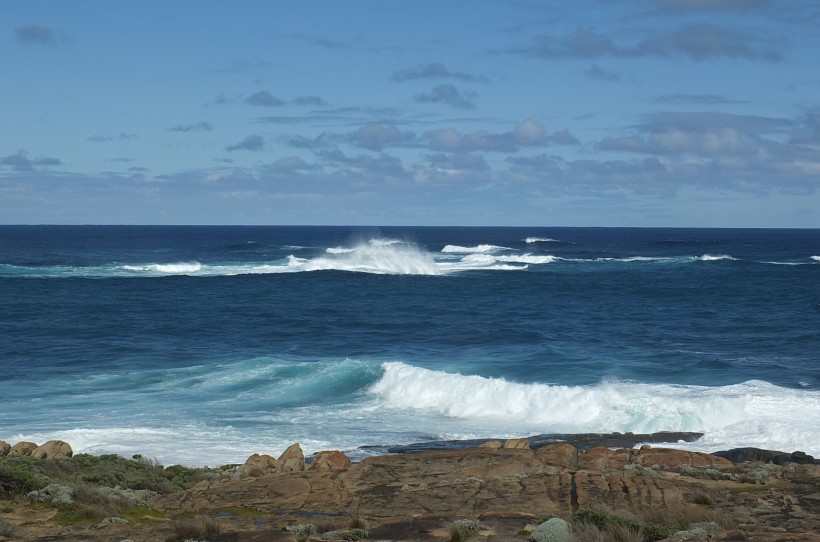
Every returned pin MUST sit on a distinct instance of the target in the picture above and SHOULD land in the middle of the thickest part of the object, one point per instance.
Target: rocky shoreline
(551, 487)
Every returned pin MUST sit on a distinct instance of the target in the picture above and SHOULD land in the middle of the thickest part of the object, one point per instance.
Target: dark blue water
(232, 340)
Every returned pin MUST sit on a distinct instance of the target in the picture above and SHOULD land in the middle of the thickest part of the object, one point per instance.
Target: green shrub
(615, 527)
(355, 534)
(552, 530)
(462, 530)
(17, 477)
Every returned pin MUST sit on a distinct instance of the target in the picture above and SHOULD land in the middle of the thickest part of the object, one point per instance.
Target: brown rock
(492, 444)
(601, 459)
(330, 460)
(561, 455)
(509, 488)
(259, 465)
(4, 448)
(23, 448)
(292, 459)
(53, 449)
(673, 459)
(516, 444)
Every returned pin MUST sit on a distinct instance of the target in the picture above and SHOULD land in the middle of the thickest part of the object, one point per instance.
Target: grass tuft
(195, 528)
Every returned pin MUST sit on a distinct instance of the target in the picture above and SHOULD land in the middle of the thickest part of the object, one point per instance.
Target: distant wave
(183, 268)
(480, 249)
(528, 259)
(530, 240)
(378, 256)
(384, 256)
(752, 413)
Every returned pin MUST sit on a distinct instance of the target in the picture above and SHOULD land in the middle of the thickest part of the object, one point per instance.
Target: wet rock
(741, 455)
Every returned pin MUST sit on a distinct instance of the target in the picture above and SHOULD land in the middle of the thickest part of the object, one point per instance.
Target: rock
(601, 459)
(516, 444)
(259, 465)
(5, 447)
(560, 455)
(492, 444)
(23, 448)
(53, 449)
(741, 455)
(113, 520)
(673, 459)
(330, 460)
(552, 530)
(292, 459)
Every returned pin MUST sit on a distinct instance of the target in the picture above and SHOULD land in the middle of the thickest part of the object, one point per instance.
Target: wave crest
(479, 249)
(729, 415)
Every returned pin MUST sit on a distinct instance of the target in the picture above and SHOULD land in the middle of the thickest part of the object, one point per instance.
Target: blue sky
(543, 113)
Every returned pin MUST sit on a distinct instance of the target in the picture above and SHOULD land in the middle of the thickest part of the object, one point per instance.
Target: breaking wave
(480, 249)
(187, 268)
(383, 256)
(752, 413)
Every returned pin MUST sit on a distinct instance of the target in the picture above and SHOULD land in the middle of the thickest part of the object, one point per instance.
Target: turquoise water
(205, 344)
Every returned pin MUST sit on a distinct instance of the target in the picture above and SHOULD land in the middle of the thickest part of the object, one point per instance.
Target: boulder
(4, 448)
(292, 459)
(330, 460)
(259, 465)
(516, 444)
(53, 449)
(23, 448)
(491, 444)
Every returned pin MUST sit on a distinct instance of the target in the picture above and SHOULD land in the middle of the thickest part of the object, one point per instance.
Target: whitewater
(202, 345)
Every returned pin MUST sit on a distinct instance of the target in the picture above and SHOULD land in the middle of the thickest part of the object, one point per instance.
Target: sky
(648, 113)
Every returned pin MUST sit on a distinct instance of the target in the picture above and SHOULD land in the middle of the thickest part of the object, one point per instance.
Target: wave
(528, 259)
(183, 268)
(384, 256)
(479, 249)
(752, 413)
(377, 256)
(223, 412)
(530, 240)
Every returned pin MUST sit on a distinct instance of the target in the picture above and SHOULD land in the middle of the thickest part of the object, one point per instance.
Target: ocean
(204, 344)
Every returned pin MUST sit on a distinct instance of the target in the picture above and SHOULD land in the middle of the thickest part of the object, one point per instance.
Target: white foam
(816, 258)
(752, 413)
(716, 257)
(377, 256)
(479, 249)
(181, 268)
(528, 259)
(339, 250)
(530, 240)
